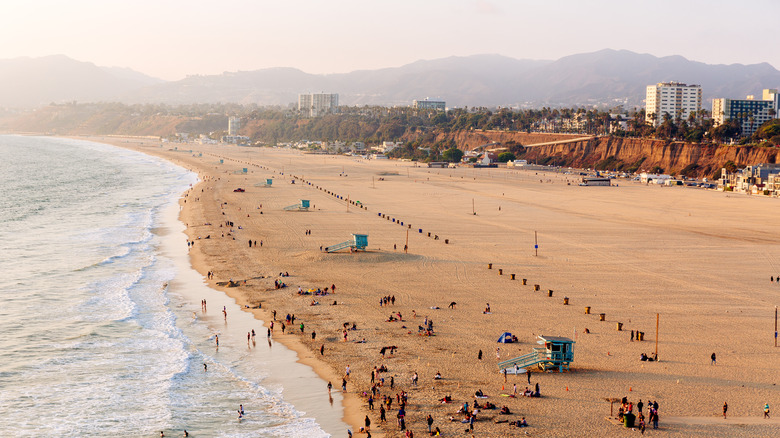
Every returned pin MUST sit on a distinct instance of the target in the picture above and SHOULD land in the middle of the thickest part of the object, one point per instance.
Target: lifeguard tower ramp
(268, 183)
(359, 242)
(556, 353)
(303, 205)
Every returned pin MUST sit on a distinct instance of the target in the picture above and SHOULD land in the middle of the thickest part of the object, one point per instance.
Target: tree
(453, 155)
(503, 157)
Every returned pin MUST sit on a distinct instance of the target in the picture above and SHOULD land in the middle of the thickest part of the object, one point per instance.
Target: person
(766, 410)
(479, 355)
(205, 367)
(725, 408)
(186, 434)
(330, 386)
(437, 376)
(216, 339)
(382, 413)
(528, 374)
(504, 375)
(322, 350)
(162, 434)
(368, 423)
(713, 359)
(344, 385)
(522, 423)
(429, 420)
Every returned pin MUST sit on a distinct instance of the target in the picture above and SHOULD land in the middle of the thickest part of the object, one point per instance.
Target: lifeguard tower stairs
(359, 242)
(556, 354)
(267, 184)
(303, 205)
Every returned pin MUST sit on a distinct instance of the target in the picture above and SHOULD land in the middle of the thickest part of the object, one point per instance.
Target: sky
(171, 39)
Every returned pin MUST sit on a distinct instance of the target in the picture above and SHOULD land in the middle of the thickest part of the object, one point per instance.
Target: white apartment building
(316, 104)
(234, 124)
(673, 98)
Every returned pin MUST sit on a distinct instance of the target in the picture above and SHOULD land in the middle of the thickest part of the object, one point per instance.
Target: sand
(701, 260)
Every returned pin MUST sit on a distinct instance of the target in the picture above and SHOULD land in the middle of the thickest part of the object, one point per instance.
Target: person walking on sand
(330, 386)
(725, 409)
(713, 359)
(479, 355)
(528, 374)
(216, 339)
(766, 410)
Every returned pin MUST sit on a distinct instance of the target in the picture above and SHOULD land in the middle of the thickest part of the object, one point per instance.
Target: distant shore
(629, 252)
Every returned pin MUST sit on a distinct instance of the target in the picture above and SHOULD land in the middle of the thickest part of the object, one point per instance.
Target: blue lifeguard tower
(556, 353)
(303, 205)
(359, 242)
(268, 183)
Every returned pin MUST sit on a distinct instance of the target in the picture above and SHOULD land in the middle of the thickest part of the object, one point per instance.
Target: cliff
(637, 154)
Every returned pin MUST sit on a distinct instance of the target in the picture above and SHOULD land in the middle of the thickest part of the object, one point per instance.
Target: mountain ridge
(605, 77)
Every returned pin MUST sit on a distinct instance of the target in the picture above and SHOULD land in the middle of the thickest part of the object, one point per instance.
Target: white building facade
(673, 98)
(317, 104)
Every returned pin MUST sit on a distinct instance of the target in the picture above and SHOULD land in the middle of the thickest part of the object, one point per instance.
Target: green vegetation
(453, 155)
(503, 157)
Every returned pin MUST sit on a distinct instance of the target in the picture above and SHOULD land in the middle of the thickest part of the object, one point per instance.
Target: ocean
(102, 331)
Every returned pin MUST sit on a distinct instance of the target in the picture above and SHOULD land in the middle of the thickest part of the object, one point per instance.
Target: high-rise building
(234, 124)
(750, 113)
(673, 98)
(426, 103)
(315, 104)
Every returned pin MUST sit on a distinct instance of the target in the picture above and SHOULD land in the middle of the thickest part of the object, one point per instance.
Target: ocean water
(95, 338)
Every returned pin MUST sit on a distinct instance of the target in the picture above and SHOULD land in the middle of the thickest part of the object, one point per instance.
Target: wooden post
(536, 245)
(657, 320)
(775, 326)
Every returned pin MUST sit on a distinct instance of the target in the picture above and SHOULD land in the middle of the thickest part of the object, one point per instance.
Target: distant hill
(605, 77)
(32, 82)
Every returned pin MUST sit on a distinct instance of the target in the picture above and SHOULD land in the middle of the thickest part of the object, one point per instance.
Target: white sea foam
(93, 342)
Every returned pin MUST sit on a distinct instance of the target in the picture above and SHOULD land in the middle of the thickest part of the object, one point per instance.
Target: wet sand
(701, 260)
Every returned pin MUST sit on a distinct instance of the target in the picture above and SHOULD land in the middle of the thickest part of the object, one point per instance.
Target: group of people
(386, 301)
(627, 409)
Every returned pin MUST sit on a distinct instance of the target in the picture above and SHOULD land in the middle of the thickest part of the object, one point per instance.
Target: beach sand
(701, 260)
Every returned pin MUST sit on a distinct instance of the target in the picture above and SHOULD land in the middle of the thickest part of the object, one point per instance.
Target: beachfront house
(762, 178)
(653, 178)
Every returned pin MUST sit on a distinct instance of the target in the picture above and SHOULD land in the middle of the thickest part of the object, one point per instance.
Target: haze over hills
(32, 82)
(605, 77)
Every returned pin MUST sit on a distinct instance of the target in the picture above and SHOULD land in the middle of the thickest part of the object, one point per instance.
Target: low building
(426, 104)
(653, 178)
(595, 181)
(517, 163)
(752, 179)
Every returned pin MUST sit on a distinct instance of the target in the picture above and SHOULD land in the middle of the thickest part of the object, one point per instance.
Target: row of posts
(602, 316)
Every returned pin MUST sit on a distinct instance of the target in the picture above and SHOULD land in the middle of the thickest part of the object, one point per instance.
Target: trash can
(628, 420)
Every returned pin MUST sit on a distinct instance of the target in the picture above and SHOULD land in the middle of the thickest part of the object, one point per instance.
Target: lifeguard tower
(269, 182)
(303, 205)
(359, 242)
(556, 353)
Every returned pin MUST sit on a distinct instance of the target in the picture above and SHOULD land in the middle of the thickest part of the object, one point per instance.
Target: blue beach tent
(506, 338)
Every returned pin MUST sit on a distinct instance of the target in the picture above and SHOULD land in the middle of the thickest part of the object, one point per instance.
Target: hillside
(607, 77)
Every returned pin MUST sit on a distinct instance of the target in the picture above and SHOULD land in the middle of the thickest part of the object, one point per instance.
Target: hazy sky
(174, 38)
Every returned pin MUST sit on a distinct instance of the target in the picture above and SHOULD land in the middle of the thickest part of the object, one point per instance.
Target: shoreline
(594, 369)
(303, 356)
